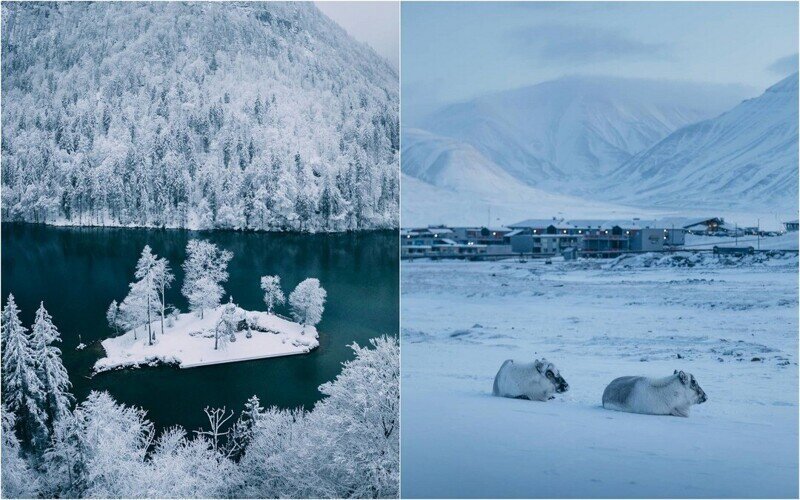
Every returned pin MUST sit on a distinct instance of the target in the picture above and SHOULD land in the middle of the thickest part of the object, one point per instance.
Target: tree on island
(112, 316)
(308, 302)
(162, 279)
(144, 272)
(134, 311)
(206, 267)
(156, 277)
(50, 369)
(146, 297)
(273, 295)
(22, 389)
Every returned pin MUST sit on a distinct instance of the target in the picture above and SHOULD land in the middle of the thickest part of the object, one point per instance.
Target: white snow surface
(190, 342)
(734, 326)
(424, 203)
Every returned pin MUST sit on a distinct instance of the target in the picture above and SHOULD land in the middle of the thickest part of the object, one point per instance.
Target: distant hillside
(569, 134)
(200, 115)
(745, 158)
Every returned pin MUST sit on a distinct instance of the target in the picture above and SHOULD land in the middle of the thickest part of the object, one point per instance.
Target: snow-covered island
(189, 341)
(211, 333)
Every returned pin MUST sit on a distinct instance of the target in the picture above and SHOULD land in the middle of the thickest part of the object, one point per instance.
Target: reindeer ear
(675, 372)
(538, 365)
(683, 377)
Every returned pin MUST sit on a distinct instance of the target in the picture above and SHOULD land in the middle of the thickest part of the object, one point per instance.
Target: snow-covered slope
(746, 157)
(257, 115)
(569, 133)
(451, 164)
(424, 203)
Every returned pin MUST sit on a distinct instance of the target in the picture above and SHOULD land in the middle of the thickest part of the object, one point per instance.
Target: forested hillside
(246, 116)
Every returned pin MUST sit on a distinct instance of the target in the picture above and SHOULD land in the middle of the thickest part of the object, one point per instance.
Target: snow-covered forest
(263, 116)
(347, 446)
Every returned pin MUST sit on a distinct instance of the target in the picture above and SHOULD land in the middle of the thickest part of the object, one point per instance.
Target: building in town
(594, 237)
(435, 242)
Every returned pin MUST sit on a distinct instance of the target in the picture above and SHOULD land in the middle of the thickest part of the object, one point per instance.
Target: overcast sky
(376, 23)
(453, 51)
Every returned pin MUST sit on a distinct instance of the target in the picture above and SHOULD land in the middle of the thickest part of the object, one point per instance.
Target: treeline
(347, 446)
(261, 116)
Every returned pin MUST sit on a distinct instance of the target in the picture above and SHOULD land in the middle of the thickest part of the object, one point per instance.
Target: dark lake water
(77, 272)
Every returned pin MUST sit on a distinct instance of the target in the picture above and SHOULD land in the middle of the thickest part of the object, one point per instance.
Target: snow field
(734, 328)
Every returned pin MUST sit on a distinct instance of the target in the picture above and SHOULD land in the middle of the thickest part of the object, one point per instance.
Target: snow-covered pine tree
(22, 390)
(53, 377)
(307, 301)
(242, 431)
(205, 268)
(273, 295)
(112, 316)
(18, 479)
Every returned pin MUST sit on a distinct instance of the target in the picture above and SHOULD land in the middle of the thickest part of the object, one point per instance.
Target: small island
(156, 333)
(190, 340)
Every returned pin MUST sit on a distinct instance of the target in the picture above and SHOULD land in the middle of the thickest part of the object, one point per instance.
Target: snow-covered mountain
(569, 134)
(451, 164)
(744, 158)
(447, 181)
(262, 115)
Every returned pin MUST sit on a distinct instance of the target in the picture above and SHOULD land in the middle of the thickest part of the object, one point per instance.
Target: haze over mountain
(640, 144)
(201, 115)
(571, 132)
(745, 158)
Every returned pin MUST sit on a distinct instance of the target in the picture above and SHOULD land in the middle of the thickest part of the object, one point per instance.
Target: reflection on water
(79, 271)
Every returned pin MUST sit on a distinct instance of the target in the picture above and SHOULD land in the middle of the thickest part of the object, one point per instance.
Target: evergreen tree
(19, 479)
(22, 390)
(112, 316)
(53, 377)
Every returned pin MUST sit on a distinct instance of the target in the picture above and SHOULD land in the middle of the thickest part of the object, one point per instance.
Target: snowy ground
(190, 342)
(733, 325)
